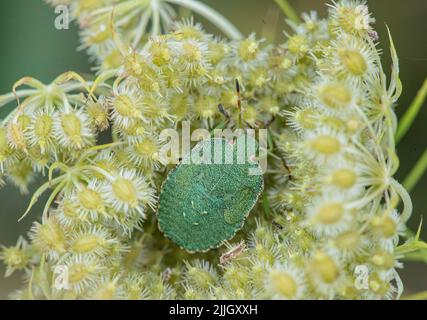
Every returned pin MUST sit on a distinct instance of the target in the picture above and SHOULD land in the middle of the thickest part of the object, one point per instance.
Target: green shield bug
(206, 199)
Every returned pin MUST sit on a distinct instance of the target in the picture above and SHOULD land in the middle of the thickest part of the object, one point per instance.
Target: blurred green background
(31, 46)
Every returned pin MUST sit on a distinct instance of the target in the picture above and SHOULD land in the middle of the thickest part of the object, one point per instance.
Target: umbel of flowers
(330, 200)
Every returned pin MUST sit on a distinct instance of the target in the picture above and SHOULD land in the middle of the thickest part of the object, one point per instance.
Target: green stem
(99, 170)
(9, 97)
(51, 199)
(416, 173)
(406, 200)
(47, 185)
(417, 256)
(91, 150)
(411, 114)
(288, 10)
(417, 296)
(156, 27)
(213, 16)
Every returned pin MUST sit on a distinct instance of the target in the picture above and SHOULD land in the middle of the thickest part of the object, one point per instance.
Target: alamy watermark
(361, 281)
(62, 278)
(62, 20)
(244, 145)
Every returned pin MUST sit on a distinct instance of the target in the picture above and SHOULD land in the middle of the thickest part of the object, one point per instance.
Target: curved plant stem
(141, 27)
(51, 199)
(9, 97)
(213, 16)
(406, 199)
(47, 185)
(416, 173)
(411, 114)
(288, 10)
(417, 296)
(156, 28)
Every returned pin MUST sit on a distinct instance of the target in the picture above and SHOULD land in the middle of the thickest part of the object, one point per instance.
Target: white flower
(146, 152)
(328, 214)
(350, 58)
(351, 16)
(40, 131)
(326, 273)
(127, 106)
(285, 281)
(72, 129)
(249, 53)
(127, 192)
(324, 144)
(82, 272)
(91, 240)
(89, 200)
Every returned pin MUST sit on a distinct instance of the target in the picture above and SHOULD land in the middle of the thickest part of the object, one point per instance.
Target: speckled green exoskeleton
(204, 203)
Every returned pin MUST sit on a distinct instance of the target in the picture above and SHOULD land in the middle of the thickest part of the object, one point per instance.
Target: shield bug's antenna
(239, 103)
(223, 111)
(239, 106)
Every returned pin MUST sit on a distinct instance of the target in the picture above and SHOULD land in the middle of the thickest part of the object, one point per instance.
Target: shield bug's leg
(269, 122)
(224, 112)
(232, 253)
(240, 109)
